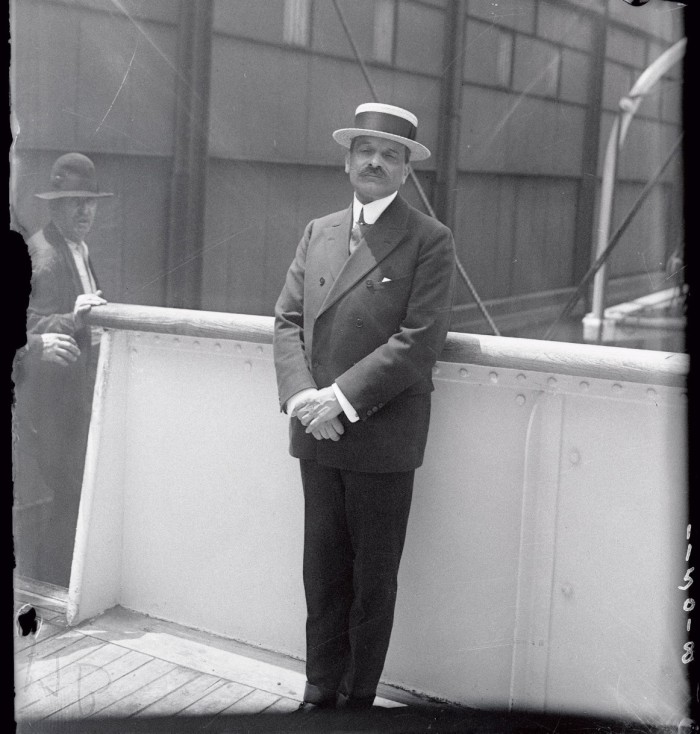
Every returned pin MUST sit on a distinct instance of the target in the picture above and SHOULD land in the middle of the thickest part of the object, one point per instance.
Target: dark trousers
(354, 530)
(62, 444)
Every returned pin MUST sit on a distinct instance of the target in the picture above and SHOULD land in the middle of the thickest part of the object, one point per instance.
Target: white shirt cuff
(289, 408)
(350, 412)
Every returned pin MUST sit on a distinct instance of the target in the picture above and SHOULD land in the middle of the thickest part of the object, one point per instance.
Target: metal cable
(613, 241)
(414, 179)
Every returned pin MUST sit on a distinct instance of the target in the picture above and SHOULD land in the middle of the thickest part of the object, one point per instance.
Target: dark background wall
(540, 84)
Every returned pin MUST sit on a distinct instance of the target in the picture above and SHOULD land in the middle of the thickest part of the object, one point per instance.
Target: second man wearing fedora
(359, 324)
(60, 382)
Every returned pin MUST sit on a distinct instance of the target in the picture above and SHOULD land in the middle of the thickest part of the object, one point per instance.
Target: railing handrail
(585, 360)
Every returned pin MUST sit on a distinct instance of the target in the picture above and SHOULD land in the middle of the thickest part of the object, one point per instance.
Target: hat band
(386, 123)
(72, 182)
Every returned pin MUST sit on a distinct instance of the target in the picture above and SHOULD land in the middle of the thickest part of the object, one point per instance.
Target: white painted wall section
(545, 546)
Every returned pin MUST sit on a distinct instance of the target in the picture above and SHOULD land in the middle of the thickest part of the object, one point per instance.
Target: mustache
(373, 171)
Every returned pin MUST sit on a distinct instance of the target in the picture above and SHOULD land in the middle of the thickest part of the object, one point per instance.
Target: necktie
(357, 232)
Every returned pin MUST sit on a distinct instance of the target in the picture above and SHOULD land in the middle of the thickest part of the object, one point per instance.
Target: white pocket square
(386, 280)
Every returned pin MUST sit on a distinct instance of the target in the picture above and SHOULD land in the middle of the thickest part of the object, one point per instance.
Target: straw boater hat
(73, 175)
(384, 121)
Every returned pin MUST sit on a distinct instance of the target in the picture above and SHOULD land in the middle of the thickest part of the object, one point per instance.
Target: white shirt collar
(373, 210)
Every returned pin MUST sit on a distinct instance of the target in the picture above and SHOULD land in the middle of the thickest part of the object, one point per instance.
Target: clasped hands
(319, 411)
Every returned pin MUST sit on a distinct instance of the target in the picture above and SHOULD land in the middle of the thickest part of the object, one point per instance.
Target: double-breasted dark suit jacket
(374, 323)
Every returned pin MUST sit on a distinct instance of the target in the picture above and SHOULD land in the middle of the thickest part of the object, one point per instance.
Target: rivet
(436, 370)
(521, 377)
(520, 400)
(651, 392)
(238, 348)
(196, 343)
(463, 373)
(617, 387)
(584, 385)
(574, 456)
(134, 350)
(217, 345)
(248, 366)
(493, 376)
(259, 350)
(176, 340)
(552, 381)
(156, 338)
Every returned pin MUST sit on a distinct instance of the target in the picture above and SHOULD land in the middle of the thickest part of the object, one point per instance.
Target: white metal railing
(547, 537)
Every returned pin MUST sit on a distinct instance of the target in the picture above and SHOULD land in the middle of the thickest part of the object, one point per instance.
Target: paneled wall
(87, 77)
(530, 86)
(99, 76)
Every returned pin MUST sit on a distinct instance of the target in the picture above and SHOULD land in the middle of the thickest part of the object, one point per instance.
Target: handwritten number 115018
(689, 603)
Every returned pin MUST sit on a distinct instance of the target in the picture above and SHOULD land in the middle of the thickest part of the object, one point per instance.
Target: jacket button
(322, 281)
(369, 412)
(359, 323)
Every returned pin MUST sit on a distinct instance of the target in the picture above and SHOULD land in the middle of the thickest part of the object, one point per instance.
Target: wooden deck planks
(69, 675)
(123, 665)
(282, 706)
(32, 668)
(187, 695)
(80, 699)
(46, 647)
(217, 700)
(149, 693)
(254, 703)
(159, 640)
(108, 687)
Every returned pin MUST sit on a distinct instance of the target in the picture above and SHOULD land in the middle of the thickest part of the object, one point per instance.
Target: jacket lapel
(379, 240)
(54, 237)
(337, 238)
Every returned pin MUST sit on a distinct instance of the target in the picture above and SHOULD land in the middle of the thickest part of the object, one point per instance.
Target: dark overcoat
(59, 397)
(374, 323)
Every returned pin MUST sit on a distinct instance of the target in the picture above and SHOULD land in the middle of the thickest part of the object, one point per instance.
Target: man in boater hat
(59, 367)
(359, 324)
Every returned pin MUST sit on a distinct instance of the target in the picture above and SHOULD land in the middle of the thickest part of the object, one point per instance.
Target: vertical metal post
(607, 202)
(588, 183)
(188, 182)
(447, 164)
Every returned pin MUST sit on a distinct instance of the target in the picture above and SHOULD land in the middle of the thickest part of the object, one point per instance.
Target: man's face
(376, 166)
(73, 216)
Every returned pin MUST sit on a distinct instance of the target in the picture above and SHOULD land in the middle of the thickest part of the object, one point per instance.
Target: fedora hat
(73, 174)
(384, 121)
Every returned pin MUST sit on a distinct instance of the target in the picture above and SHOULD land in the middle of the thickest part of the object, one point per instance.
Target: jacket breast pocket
(391, 284)
(390, 298)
